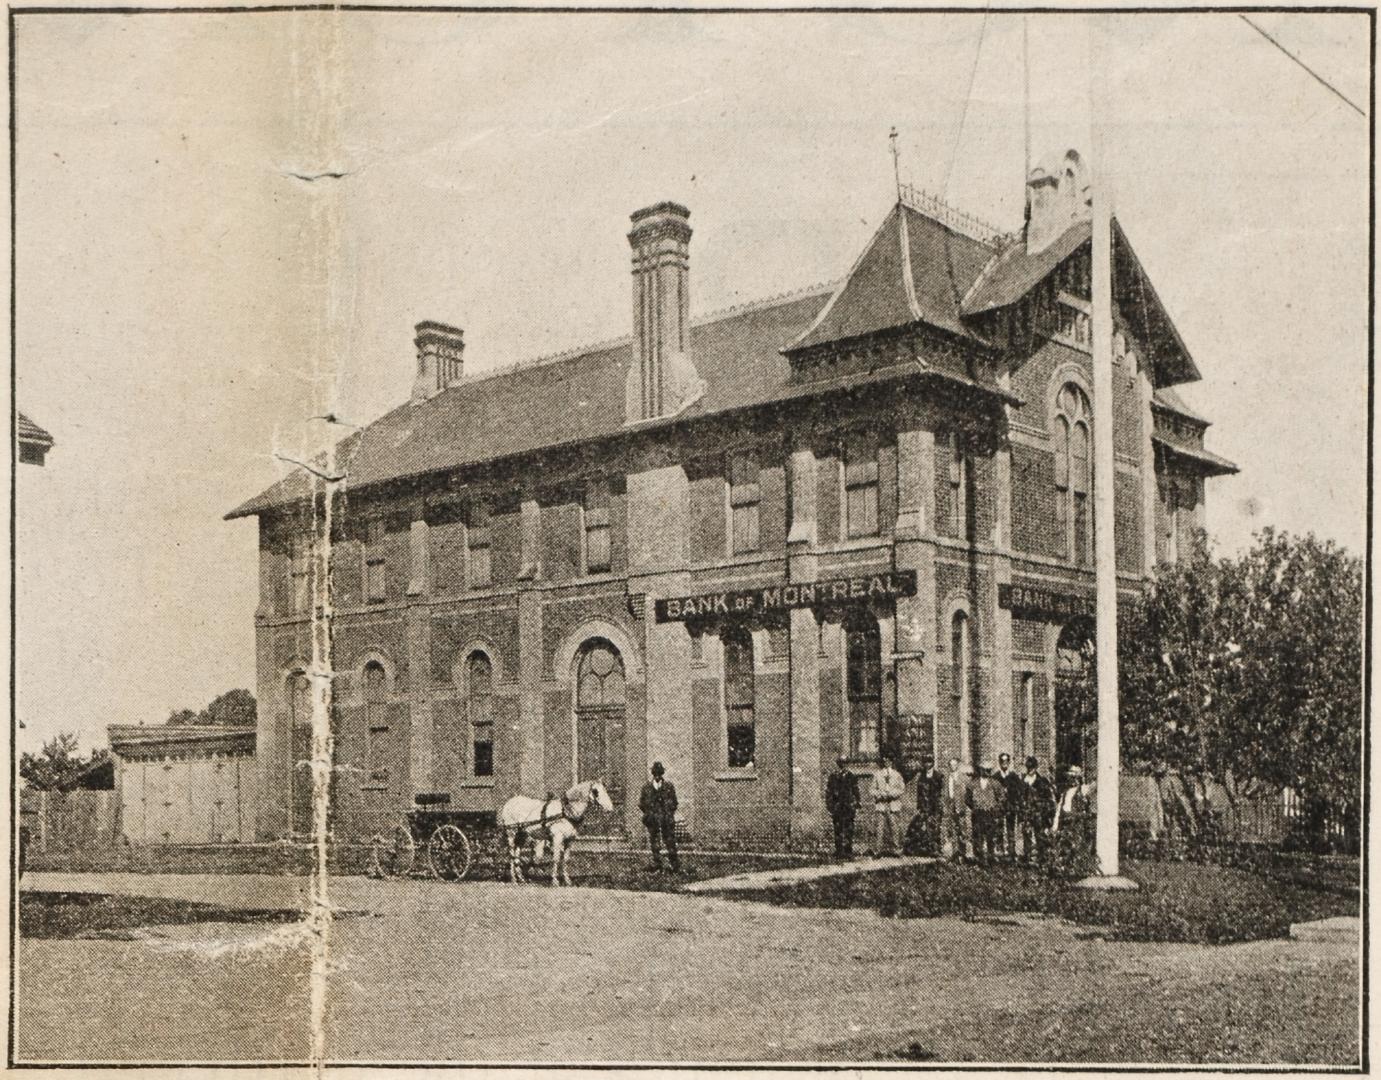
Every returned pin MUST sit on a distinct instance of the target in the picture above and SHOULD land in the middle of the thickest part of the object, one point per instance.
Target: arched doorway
(601, 701)
(1075, 703)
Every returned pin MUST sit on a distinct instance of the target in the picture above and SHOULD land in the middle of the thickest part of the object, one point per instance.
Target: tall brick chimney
(440, 350)
(662, 379)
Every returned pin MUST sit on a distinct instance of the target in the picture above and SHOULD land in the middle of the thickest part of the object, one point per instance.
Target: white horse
(554, 820)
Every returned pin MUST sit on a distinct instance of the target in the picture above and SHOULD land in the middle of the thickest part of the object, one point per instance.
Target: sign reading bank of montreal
(884, 586)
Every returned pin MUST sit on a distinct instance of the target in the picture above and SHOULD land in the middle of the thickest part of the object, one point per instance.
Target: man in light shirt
(888, 788)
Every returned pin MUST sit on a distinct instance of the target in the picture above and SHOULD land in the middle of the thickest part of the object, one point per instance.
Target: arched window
(1073, 474)
(738, 696)
(599, 678)
(376, 722)
(479, 706)
(960, 684)
(600, 698)
(863, 656)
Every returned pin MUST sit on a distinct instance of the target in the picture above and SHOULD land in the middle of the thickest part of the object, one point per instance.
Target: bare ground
(487, 972)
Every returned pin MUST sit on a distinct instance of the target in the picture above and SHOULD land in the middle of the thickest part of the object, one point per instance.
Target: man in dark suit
(1037, 811)
(987, 797)
(658, 804)
(842, 801)
(930, 793)
(1014, 788)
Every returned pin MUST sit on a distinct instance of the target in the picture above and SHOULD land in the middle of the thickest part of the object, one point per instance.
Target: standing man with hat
(888, 789)
(841, 799)
(658, 804)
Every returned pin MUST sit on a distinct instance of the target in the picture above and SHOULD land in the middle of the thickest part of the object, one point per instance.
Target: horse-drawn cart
(448, 841)
(515, 838)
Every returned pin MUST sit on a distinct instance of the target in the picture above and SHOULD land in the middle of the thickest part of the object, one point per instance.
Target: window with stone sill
(745, 499)
(1073, 476)
(300, 562)
(863, 689)
(598, 555)
(375, 563)
(860, 486)
(739, 693)
(477, 561)
(376, 723)
(479, 707)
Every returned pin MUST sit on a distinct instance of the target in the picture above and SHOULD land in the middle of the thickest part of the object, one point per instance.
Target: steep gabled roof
(1013, 273)
(915, 269)
(567, 399)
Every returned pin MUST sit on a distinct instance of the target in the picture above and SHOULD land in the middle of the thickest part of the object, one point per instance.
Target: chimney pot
(662, 379)
(440, 353)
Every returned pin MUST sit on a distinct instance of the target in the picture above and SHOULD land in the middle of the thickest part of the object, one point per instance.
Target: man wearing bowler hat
(658, 804)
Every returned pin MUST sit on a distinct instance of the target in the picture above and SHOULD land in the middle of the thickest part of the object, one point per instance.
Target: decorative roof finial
(896, 160)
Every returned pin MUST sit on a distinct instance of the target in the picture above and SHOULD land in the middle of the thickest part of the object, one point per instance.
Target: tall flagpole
(1105, 552)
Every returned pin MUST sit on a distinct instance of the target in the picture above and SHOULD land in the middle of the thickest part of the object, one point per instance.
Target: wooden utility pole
(1104, 474)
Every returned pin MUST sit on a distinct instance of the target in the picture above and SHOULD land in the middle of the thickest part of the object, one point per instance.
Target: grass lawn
(1179, 902)
(74, 915)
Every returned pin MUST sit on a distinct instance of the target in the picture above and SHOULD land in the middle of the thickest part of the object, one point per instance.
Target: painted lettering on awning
(861, 588)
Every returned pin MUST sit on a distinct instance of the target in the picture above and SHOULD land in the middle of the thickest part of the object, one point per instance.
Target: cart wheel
(448, 853)
(394, 853)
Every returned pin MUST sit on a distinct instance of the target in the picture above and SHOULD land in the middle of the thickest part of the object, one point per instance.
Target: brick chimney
(440, 349)
(1057, 196)
(662, 379)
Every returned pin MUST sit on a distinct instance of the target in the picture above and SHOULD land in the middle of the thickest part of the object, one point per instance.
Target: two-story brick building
(852, 520)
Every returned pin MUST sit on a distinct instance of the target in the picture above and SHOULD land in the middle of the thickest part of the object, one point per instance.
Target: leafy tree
(59, 767)
(232, 707)
(1251, 665)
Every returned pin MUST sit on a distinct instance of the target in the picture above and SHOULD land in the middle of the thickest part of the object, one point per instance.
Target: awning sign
(746, 602)
(1043, 602)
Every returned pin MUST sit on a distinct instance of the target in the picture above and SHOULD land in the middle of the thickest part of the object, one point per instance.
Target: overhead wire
(954, 156)
(1317, 77)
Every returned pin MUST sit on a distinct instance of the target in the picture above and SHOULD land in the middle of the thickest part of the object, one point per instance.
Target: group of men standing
(965, 815)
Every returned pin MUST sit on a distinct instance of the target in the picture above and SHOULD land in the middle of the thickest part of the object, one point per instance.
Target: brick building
(851, 520)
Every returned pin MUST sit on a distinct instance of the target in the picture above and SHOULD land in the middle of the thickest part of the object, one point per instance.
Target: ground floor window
(738, 697)
(863, 657)
(480, 707)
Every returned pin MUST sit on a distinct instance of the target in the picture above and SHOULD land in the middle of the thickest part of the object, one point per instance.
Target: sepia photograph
(647, 538)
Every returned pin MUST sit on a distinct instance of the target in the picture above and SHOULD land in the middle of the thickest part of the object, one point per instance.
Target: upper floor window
(477, 561)
(1073, 479)
(745, 497)
(961, 502)
(738, 696)
(376, 722)
(375, 563)
(598, 558)
(479, 705)
(861, 486)
(301, 570)
(863, 660)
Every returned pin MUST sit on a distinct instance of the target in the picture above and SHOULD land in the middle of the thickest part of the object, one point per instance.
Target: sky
(186, 301)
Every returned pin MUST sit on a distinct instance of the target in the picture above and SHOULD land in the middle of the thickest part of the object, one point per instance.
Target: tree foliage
(1251, 665)
(232, 707)
(58, 766)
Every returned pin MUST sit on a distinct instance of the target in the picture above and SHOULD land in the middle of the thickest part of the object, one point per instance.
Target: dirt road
(426, 971)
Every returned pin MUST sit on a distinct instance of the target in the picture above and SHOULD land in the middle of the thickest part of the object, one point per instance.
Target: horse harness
(545, 821)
